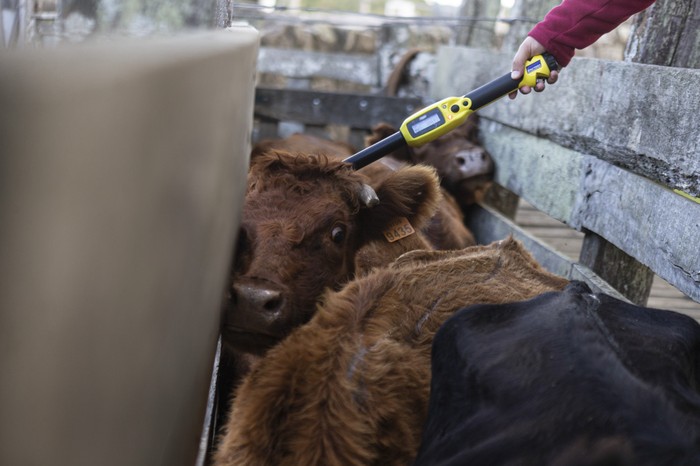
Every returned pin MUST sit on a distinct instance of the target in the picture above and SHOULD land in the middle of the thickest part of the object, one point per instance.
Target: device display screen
(426, 122)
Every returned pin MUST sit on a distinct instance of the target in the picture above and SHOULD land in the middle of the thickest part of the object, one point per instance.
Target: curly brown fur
(351, 386)
(288, 253)
(304, 144)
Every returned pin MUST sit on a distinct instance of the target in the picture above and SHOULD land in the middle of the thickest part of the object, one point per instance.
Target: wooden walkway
(568, 242)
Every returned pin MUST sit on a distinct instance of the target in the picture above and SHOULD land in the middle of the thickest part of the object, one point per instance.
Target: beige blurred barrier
(122, 170)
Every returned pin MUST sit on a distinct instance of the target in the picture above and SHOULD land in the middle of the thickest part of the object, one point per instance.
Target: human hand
(528, 49)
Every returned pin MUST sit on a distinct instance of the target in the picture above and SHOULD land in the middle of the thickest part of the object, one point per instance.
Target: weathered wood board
(667, 33)
(302, 64)
(569, 242)
(322, 108)
(643, 218)
(546, 160)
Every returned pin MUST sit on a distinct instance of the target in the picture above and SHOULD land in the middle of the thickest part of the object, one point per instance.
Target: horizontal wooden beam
(642, 218)
(294, 63)
(322, 108)
(641, 117)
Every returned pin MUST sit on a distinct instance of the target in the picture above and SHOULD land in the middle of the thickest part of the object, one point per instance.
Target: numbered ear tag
(399, 230)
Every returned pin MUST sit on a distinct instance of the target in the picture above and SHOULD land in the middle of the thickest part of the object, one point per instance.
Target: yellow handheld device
(442, 117)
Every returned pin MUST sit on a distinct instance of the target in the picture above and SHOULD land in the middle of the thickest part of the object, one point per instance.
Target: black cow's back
(567, 378)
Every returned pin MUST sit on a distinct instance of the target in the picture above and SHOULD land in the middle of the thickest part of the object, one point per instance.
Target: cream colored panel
(122, 172)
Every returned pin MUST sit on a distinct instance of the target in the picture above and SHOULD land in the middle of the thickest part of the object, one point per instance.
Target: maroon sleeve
(576, 24)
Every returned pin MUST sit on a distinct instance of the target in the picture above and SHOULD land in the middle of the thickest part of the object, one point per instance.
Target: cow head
(304, 219)
(465, 168)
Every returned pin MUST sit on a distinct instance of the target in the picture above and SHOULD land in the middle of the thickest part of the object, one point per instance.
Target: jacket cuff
(562, 53)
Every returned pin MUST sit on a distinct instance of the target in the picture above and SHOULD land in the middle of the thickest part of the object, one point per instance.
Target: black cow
(566, 378)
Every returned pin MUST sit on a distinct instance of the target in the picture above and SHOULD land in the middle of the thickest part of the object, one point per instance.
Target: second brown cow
(464, 166)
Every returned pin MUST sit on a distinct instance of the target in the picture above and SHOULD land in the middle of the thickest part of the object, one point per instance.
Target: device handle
(538, 67)
(376, 151)
(493, 90)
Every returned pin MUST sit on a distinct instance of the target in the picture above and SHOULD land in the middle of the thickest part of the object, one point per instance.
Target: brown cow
(351, 386)
(464, 167)
(307, 226)
(446, 229)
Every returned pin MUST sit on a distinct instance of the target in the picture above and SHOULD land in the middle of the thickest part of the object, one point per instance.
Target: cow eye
(338, 234)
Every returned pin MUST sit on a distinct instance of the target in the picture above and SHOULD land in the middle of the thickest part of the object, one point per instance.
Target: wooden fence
(611, 150)
(600, 152)
(298, 108)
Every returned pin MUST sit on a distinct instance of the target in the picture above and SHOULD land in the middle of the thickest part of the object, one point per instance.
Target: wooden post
(503, 200)
(668, 34)
(478, 33)
(620, 270)
(525, 9)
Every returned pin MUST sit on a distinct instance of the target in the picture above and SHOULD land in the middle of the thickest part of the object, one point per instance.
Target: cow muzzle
(256, 316)
(473, 162)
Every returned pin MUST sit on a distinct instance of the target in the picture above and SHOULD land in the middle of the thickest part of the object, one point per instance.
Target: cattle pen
(120, 201)
(601, 185)
(620, 206)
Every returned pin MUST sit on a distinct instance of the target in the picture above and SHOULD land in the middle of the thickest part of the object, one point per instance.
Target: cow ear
(379, 131)
(412, 193)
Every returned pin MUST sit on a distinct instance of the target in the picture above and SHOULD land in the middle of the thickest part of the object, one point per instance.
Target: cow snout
(258, 306)
(473, 162)
(256, 316)
(265, 300)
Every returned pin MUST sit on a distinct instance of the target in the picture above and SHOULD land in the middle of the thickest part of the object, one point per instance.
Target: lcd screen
(429, 121)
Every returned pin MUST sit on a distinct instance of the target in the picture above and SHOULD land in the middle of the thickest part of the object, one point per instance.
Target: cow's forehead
(297, 208)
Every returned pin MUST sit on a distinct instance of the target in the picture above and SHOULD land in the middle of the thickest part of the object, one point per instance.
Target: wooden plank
(621, 271)
(647, 221)
(644, 219)
(294, 63)
(489, 225)
(637, 116)
(545, 174)
(265, 129)
(502, 200)
(321, 108)
(569, 241)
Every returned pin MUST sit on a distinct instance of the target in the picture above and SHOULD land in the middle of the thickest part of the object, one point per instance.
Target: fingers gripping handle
(538, 67)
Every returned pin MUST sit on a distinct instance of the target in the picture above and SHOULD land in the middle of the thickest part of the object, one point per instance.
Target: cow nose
(473, 163)
(268, 302)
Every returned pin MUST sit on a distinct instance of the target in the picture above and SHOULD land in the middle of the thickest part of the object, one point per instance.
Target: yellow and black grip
(538, 67)
(442, 117)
